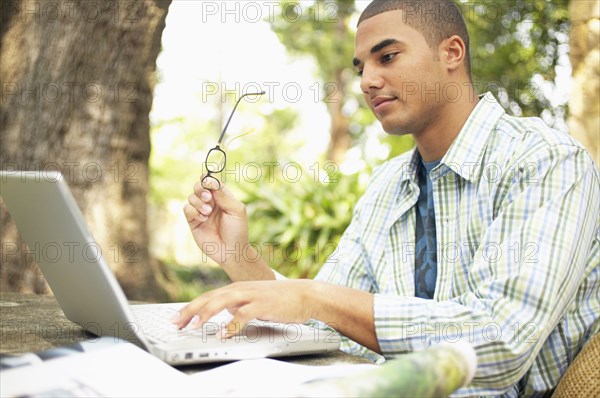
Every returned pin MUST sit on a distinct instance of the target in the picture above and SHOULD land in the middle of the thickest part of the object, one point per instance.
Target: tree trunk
(584, 105)
(77, 81)
(335, 99)
(340, 135)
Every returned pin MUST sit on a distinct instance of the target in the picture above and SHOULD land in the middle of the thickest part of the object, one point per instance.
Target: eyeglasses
(216, 157)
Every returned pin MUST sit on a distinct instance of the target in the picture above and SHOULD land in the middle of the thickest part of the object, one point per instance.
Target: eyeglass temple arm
(231, 115)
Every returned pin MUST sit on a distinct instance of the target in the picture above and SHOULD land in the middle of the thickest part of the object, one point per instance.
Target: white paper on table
(266, 377)
(122, 370)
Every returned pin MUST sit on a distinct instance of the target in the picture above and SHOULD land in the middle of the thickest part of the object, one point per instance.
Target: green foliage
(190, 282)
(268, 143)
(176, 158)
(297, 224)
(307, 218)
(320, 31)
(511, 42)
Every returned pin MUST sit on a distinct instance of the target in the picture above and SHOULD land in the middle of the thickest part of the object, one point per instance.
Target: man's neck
(434, 142)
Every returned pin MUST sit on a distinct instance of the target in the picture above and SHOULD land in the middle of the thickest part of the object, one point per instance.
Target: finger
(190, 212)
(187, 314)
(207, 305)
(222, 197)
(202, 207)
(210, 184)
(228, 202)
(193, 216)
(204, 194)
(241, 318)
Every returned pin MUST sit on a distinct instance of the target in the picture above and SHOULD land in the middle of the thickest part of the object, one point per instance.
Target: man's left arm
(513, 303)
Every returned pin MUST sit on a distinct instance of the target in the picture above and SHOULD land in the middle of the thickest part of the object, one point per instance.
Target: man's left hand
(276, 301)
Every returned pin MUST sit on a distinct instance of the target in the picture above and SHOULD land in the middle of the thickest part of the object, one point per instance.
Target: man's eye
(387, 57)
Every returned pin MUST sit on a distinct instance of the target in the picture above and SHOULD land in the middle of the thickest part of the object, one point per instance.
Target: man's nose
(370, 79)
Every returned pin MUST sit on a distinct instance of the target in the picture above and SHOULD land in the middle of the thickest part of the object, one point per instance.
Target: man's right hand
(219, 225)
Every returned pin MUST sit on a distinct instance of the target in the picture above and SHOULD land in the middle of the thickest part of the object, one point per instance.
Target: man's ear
(453, 52)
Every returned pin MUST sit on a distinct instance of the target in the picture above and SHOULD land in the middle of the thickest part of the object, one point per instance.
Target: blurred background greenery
(167, 75)
(299, 209)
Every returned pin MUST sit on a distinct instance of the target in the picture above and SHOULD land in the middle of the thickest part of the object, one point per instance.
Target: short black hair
(436, 20)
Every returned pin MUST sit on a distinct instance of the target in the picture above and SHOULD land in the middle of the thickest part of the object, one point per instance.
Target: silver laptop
(48, 218)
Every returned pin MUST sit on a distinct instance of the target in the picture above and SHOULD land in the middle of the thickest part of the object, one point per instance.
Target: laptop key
(155, 324)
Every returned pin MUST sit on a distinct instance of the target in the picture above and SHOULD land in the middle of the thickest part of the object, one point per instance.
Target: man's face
(401, 77)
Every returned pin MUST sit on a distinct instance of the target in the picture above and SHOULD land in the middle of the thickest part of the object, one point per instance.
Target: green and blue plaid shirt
(517, 209)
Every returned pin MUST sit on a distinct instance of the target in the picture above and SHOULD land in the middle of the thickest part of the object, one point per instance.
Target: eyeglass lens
(215, 160)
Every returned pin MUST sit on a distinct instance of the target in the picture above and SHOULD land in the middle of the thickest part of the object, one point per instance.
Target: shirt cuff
(399, 323)
(278, 276)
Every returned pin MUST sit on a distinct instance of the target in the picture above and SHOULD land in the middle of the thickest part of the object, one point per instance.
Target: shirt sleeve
(514, 301)
(278, 276)
(348, 266)
(349, 272)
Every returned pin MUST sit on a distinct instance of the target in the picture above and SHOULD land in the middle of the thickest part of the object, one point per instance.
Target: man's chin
(395, 130)
(390, 125)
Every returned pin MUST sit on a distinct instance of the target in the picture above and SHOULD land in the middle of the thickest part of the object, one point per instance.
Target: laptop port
(189, 355)
(203, 355)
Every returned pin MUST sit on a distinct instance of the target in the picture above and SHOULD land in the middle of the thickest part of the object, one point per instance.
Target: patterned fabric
(426, 251)
(517, 209)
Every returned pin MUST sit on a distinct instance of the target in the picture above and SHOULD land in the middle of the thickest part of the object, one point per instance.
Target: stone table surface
(30, 323)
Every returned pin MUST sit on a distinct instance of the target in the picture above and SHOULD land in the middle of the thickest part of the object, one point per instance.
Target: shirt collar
(409, 169)
(466, 151)
(465, 154)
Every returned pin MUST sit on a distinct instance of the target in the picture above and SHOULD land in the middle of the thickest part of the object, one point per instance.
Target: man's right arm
(219, 225)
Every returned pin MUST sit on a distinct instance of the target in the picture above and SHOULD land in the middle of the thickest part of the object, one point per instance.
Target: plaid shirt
(517, 209)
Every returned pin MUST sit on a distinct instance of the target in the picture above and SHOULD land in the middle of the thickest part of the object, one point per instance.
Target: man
(487, 232)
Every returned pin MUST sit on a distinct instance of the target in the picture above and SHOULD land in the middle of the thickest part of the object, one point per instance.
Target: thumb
(227, 201)
(241, 318)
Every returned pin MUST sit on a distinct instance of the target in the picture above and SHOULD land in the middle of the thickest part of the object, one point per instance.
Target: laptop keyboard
(156, 325)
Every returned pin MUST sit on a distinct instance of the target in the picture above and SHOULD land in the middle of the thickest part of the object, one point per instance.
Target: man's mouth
(380, 102)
